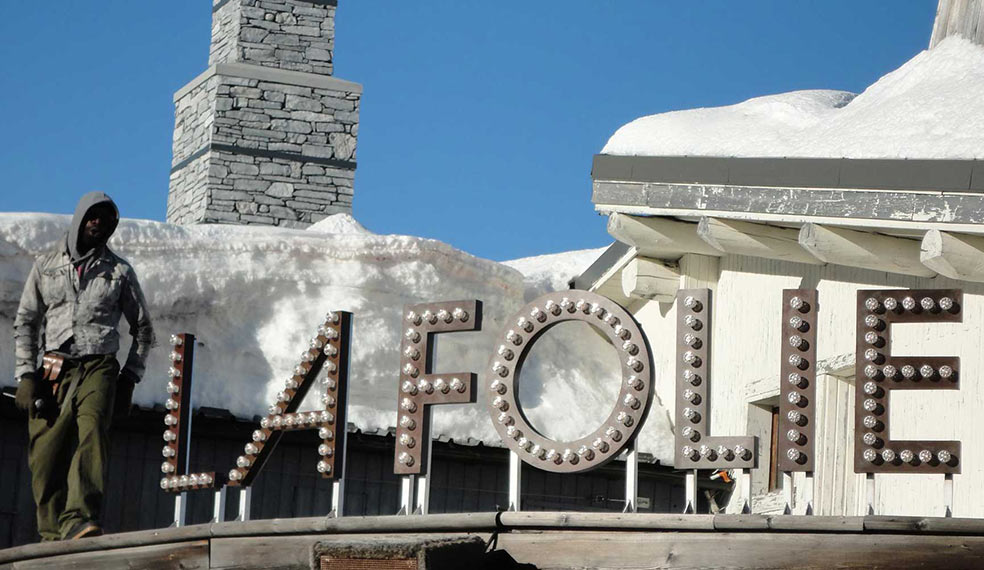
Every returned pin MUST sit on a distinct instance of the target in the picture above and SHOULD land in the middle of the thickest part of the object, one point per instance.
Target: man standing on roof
(71, 304)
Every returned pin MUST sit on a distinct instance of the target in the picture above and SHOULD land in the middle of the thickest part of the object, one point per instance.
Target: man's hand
(27, 392)
(124, 393)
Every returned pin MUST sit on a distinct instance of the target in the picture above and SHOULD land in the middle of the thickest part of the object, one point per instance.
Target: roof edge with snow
(898, 192)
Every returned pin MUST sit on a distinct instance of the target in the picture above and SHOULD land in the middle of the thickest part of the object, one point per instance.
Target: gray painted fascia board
(841, 173)
(271, 74)
(770, 204)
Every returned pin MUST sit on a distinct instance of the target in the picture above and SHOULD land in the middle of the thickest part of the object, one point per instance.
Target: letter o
(635, 393)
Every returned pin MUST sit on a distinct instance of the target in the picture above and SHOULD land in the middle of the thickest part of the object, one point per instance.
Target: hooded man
(72, 303)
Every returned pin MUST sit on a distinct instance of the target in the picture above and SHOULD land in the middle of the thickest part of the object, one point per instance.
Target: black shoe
(84, 529)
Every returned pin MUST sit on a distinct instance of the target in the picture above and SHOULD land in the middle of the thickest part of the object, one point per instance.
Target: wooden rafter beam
(863, 249)
(659, 238)
(650, 279)
(756, 240)
(958, 256)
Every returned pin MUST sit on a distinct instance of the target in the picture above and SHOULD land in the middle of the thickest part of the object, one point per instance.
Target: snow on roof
(254, 297)
(930, 108)
(552, 272)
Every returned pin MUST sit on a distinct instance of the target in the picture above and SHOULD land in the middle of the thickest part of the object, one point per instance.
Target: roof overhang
(912, 217)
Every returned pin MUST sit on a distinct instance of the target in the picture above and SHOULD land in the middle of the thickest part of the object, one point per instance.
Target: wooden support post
(948, 495)
(957, 256)
(756, 240)
(219, 504)
(407, 487)
(651, 279)
(180, 509)
(661, 238)
(631, 478)
(862, 249)
(690, 490)
(515, 481)
(245, 503)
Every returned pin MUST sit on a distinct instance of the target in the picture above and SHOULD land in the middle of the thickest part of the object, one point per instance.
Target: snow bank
(545, 273)
(932, 108)
(254, 297)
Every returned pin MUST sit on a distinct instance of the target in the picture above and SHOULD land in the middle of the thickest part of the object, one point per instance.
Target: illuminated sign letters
(419, 386)
(634, 397)
(878, 372)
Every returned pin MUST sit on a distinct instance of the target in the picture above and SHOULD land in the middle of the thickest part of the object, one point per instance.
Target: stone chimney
(265, 135)
(963, 18)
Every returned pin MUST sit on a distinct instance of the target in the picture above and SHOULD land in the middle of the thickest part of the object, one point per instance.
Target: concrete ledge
(271, 74)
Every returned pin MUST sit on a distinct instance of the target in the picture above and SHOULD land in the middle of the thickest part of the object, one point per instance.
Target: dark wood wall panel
(464, 478)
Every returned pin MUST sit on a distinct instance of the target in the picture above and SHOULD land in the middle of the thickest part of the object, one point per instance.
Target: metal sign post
(407, 488)
(631, 478)
(690, 496)
(515, 481)
(219, 505)
(245, 501)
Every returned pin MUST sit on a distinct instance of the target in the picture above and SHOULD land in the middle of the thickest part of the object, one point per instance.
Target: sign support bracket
(948, 494)
(219, 504)
(406, 494)
(245, 502)
(690, 497)
(745, 480)
(631, 478)
(788, 492)
(515, 481)
(180, 509)
(869, 488)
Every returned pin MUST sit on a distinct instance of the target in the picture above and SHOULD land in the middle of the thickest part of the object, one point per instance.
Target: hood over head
(86, 203)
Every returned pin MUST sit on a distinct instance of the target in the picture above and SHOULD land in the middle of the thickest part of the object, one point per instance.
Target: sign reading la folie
(878, 373)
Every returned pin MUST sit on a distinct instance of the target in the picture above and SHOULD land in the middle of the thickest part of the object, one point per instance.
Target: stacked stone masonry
(257, 152)
(265, 136)
(298, 35)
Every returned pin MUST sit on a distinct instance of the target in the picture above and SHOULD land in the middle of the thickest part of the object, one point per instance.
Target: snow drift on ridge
(254, 297)
(932, 108)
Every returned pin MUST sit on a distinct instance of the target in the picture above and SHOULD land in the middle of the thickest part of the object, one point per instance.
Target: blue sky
(479, 119)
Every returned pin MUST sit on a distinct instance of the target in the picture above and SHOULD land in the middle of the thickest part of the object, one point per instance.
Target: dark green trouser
(68, 452)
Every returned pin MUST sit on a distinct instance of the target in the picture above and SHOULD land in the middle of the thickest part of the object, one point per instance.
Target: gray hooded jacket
(86, 310)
